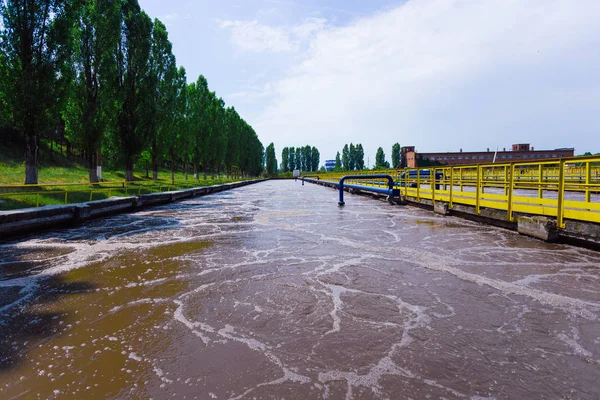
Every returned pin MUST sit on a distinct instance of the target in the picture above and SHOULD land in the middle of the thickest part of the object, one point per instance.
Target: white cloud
(251, 36)
(173, 17)
(254, 37)
(440, 74)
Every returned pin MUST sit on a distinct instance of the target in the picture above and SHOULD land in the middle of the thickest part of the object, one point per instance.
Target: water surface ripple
(272, 291)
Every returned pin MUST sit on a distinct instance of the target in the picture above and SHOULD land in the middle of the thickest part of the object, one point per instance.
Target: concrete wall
(27, 220)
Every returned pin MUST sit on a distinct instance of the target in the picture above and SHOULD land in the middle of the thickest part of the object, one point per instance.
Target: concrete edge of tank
(28, 220)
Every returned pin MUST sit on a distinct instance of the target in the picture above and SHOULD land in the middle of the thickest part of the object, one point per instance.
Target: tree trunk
(172, 171)
(129, 169)
(185, 168)
(31, 160)
(195, 170)
(99, 165)
(92, 165)
(154, 162)
(204, 171)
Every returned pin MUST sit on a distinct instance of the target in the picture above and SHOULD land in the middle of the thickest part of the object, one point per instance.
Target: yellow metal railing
(28, 195)
(563, 188)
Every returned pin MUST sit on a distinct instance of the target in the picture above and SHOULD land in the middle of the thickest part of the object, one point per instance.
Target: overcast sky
(437, 74)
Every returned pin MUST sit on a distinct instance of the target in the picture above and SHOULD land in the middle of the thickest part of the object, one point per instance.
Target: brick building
(519, 152)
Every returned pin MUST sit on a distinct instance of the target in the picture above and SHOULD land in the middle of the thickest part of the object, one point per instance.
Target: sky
(440, 75)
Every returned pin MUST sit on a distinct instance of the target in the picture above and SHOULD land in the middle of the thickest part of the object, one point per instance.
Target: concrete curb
(17, 222)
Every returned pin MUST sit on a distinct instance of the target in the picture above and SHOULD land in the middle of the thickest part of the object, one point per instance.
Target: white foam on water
(573, 342)
(336, 292)
(178, 315)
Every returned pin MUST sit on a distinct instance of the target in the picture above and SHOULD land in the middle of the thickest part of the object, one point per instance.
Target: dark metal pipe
(310, 176)
(384, 176)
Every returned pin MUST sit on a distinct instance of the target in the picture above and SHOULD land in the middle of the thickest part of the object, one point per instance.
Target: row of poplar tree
(353, 158)
(105, 72)
(306, 158)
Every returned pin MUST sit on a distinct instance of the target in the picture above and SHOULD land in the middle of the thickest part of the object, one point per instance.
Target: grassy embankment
(58, 175)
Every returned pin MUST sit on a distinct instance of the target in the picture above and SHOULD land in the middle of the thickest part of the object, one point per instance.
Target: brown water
(271, 291)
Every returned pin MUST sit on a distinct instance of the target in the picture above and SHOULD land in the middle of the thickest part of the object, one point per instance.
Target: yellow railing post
(91, 193)
(451, 186)
(66, 193)
(561, 195)
(507, 181)
(418, 185)
(511, 187)
(432, 173)
(477, 189)
(540, 173)
(37, 199)
(588, 181)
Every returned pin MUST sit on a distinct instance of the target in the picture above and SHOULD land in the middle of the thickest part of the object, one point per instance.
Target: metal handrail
(379, 176)
(310, 176)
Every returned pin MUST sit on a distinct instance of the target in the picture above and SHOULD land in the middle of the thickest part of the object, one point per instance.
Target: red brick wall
(487, 157)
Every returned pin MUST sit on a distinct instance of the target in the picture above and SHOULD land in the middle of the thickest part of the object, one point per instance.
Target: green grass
(55, 170)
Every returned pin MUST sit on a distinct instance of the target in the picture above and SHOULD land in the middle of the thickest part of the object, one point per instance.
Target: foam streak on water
(273, 291)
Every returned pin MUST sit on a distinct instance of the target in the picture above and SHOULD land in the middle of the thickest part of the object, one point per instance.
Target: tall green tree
(352, 157)
(285, 153)
(315, 159)
(292, 159)
(380, 159)
(271, 160)
(35, 39)
(338, 162)
(178, 134)
(134, 85)
(300, 159)
(162, 78)
(90, 107)
(346, 157)
(198, 115)
(307, 157)
(217, 139)
(233, 139)
(4, 110)
(396, 156)
(360, 157)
